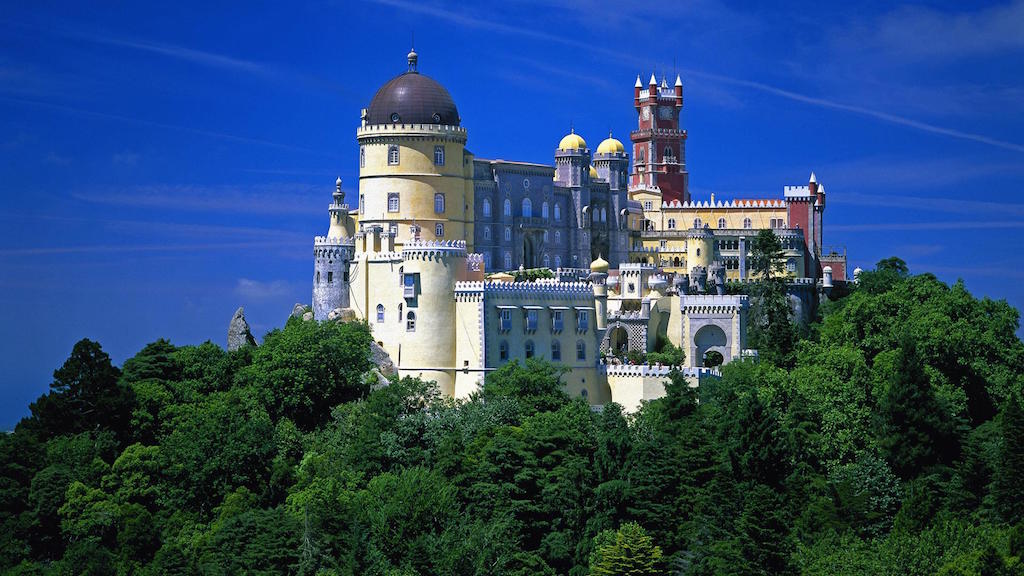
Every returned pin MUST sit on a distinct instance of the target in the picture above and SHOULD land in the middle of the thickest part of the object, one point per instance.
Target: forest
(885, 438)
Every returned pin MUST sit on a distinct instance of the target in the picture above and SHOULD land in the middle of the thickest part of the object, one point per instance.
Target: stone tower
(659, 142)
(332, 255)
(572, 171)
(612, 164)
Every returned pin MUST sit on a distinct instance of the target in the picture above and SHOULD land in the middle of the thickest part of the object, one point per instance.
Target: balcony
(532, 222)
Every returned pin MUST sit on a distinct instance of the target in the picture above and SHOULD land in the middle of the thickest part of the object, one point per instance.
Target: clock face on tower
(665, 113)
(646, 114)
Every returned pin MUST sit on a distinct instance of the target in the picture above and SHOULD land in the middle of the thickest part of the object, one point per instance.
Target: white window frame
(394, 202)
(438, 155)
(394, 155)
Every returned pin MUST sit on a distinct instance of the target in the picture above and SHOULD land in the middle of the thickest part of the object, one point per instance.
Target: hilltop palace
(635, 259)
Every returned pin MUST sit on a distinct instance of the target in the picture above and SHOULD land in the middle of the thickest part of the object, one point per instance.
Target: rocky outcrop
(297, 311)
(307, 316)
(238, 331)
(382, 360)
(342, 315)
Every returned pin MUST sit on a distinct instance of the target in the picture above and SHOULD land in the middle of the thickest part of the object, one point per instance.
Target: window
(362, 156)
(556, 351)
(581, 350)
(508, 261)
(380, 313)
(317, 276)
(558, 212)
(531, 320)
(698, 223)
(583, 393)
(604, 215)
(556, 320)
(558, 237)
(721, 222)
(409, 285)
(747, 223)
(558, 261)
(393, 202)
(487, 208)
(439, 203)
(547, 261)
(503, 351)
(400, 313)
(668, 153)
(529, 349)
(575, 176)
(641, 155)
(410, 321)
(439, 230)
(545, 236)
(362, 203)
(544, 210)
(487, 232)
(648, 205)
(508, 234)
(393, 229)
(505, 319)
(393, 155)
(439, 155)
(671, 223)
(663, 244)
(330, 276)
(791, 266)
(582, 320)
(507, 209)
(527, 208)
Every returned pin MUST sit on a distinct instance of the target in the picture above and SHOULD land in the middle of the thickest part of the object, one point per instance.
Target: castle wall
(632, 385)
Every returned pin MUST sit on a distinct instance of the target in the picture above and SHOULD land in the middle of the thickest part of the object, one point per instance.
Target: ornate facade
(412, 259)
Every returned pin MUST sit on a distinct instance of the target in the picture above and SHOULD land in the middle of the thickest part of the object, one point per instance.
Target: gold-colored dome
(600, 265)
(572, 141)
(593, 173)
(610, 146)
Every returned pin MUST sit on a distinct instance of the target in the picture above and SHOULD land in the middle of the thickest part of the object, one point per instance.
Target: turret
(679, 92)
(636, 92)
(599, 277)
(332, 255)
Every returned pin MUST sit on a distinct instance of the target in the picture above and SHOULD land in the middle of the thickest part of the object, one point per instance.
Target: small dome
(600, 265)
(412, 98)
(572, 141)
(593, 173)
(610, 146)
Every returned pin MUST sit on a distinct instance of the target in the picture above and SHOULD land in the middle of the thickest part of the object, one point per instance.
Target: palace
(634, 260)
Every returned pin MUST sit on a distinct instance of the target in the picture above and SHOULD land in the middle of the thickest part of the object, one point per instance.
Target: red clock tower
(659, 144)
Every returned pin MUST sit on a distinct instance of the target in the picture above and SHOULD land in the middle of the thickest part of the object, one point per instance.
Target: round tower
(700, 248)
(599, 277)
(612, 163)
(430, 271)
(332, 255)
(414, 172)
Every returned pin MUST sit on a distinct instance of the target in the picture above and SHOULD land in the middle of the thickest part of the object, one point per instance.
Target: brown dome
(412, 98)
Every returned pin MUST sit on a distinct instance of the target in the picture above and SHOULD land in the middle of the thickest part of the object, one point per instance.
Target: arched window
(556, 351)
(529, 349)
(721, 222)
(698, 223)
(641, 155)
(503, 351)
(747, 223)
(507, 211)
(558, 212)
(581, 350)
(317, 276)
(508, 234)
(439, 155)
(380, 313)
(439, 230)
(487, 208)
(401, 275)
(583, 393)
(410, 321)
(668, 152)
(399, 312)
(676, 262)
(558, 237)
(393, 155)
(698, 251)
(362, 203)
(547, 261)
(558, 261)
(544, 210)
(393, 202)
(545, 236)
(439, 203)
(508, 261)
(487, 232)
(527, 208)
(362, 156)
(604, 215)
(671, 223)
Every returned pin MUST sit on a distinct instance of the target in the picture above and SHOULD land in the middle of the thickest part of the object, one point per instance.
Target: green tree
(766, 256)
(626, 551)
(1008, 488)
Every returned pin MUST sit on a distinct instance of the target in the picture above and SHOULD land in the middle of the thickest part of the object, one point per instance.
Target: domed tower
(612, 163)
(415, 176)
(599, 277)
(332, 255)
(572, 171)
(700, 248)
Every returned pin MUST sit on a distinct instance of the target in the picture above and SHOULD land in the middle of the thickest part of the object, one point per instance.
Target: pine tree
(1008, 488)
(629, 551)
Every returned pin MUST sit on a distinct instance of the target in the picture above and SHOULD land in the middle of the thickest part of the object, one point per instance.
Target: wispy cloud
(129, 248)
(954, 206)
(282, 198)
(202, 57)
(256, 290)
(917, 226)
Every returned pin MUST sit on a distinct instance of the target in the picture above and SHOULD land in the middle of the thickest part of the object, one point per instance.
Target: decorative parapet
(712, 304)
(645, 371)
(529, 289)
(383, 256)
(797, 192)
(731, 204)
(370, 131)
(632, 315)
(475, 262)
(789, 281)
(327, 241)
(431, 249)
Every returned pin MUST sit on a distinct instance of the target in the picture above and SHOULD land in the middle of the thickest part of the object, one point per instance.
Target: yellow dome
(610, 146)
(599, 265)
(593, 173)
(572, 141)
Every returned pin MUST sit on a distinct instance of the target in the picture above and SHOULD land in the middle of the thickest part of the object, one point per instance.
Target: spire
(638, 84)
(654, 81)
(679, 81)
(413, 57)
(814, 178)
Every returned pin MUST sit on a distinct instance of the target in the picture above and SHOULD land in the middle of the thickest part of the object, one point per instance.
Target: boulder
(382, 360)
(297, 311)
(342, 315)
(239, 334)
(307, 316)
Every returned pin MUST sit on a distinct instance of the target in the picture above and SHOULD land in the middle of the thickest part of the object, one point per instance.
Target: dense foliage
(887, 440)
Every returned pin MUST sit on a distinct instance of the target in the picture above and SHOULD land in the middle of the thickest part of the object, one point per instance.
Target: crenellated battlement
(712, 304)
(434, 249)
(528, 289)
(328, 241)
(369, 132)
(657, 371)
(727, 205)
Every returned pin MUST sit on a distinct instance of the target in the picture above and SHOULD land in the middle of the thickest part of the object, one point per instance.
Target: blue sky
(162, 165)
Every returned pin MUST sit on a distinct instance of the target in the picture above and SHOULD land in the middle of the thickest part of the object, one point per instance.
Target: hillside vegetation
(889, 439)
